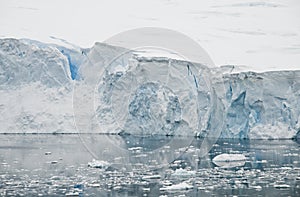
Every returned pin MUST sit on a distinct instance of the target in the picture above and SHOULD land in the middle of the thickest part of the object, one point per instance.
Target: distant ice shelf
(167, 96)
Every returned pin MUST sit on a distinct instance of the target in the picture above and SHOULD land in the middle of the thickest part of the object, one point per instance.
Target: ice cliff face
(35, 89)
(137, 95)
(23, 64)
(260, 105)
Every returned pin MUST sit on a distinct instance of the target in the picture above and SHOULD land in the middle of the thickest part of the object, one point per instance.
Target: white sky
(263, 35)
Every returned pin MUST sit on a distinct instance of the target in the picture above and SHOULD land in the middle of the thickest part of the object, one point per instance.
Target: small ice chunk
(179, 186)
(183, 173)
(72, 194)
(229, 160)
(281, 186)
(166, 183)
(55, 178)
(94, 185)
(262, 161)
(146, 189)
(118, 187)
(151, 177)
(286, 168)
(98, 164)
(136, 149)
(257, 187)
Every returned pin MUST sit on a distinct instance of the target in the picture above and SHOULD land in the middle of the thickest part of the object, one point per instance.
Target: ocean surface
(113, 165)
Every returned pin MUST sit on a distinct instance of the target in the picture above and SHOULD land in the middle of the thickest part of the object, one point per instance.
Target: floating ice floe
(179, 186)
(229, 160)
(98, 164)
(257, 187)
(282, 186)
(94, 185)
(183, 173)
(54, 162)
(151, 177)
(72, 194)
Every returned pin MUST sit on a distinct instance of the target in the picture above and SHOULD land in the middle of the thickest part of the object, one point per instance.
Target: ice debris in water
(229, 160)
(98, 164)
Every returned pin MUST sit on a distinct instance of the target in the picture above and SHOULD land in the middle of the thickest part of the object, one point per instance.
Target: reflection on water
(150, 166)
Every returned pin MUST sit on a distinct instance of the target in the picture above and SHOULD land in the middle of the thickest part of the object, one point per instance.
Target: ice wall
(260, 105)
(36, 86)
(35, 89)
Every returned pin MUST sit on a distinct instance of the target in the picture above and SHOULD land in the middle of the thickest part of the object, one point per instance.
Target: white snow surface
(37, 91)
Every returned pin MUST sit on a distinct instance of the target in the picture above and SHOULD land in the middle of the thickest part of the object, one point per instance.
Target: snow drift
(138, 95)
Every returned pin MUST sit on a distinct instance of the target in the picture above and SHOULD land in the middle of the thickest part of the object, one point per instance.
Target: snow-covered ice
(151, 177)
(98, 164)
(229, 160)
(168, 97)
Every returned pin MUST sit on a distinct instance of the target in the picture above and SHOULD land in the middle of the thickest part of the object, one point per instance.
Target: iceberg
(46, 88)
(229, 160)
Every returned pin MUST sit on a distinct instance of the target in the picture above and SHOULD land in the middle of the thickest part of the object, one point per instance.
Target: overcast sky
(263, 35)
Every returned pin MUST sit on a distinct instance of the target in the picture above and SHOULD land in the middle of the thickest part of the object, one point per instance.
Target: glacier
(140, 95)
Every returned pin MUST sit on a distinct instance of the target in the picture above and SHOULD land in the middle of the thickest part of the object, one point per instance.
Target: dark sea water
(58, 165)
